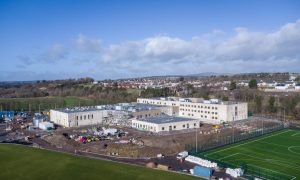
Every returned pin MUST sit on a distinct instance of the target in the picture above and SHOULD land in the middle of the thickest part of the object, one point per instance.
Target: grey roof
(78, 109)
(165, 119)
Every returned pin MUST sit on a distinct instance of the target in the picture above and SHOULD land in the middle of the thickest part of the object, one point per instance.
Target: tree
(225, 98)
(232, 85)
(272, 106)
(253, 84)
(258, 103)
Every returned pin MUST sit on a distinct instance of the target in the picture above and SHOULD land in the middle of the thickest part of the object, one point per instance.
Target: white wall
(153, 127)
(75, 119)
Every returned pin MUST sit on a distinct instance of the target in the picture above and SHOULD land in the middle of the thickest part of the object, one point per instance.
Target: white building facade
(76, 117)
(209, 111)
(165, 123)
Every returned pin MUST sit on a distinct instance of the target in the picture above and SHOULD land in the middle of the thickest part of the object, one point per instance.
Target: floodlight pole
(196, 141)
(262, 125)
(284, 115)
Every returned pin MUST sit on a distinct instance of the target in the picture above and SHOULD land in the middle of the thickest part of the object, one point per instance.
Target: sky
(111, 39)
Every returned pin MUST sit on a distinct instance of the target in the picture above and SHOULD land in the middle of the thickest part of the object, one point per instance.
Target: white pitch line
(274, 162)
(293, 177)
(275, 144)
(296, 134)
(247, 142)
(228, 156)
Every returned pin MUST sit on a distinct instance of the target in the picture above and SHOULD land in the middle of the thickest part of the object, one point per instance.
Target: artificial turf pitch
(273, 156)
(20, 162)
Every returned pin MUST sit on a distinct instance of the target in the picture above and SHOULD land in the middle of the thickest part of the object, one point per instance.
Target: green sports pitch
(272, 156)
(20, 162)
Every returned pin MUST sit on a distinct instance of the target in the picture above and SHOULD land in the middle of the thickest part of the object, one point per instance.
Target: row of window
(195, 106)
(202, 116)
(84, 117)
(158, 103)
(191, 110)
(183, 126)
(146, 115)
(146, 127)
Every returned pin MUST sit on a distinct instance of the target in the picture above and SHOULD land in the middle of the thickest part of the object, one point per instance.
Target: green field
(46, 103)
(20, 162)
(273, 156)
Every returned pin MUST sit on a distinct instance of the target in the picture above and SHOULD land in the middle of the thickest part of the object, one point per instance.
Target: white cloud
(244, 51)
(85, 44)
(54, 53)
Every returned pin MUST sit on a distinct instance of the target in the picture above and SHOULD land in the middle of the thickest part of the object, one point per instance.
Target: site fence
(294, 125)
(219, 141)
(250, 171)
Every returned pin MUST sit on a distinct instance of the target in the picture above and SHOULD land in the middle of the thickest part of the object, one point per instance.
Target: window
(84, 117)
(76, 117)
(202, 116)
(187, 125)
(80, 117)
(212, 108)
(174, 127)
(88, 116)
(194, 124)
(216, 108)
(183, 126)
(163, 128)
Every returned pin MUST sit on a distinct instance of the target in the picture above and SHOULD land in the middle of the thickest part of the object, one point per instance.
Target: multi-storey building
(209, 111)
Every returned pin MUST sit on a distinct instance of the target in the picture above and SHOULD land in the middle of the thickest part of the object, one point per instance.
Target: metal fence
(234, 138)
(250, 171)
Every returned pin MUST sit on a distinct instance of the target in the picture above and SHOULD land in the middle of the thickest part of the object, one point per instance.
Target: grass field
(273, 156)
(20, 162)
(23, 104)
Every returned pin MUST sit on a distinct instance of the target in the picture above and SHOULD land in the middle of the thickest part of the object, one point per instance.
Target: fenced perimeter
(272, 156)
(235, 135)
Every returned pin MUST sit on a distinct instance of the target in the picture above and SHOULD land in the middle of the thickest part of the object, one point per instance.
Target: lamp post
(196, 140)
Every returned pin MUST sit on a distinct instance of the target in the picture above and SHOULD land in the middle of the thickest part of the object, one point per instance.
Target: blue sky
(56, 39)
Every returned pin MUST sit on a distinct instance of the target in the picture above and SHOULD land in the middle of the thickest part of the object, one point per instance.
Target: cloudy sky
(57, 39)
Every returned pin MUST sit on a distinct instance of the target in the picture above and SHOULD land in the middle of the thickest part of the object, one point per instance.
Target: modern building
(80, 116)
(165, 123)
(209, 111)
(139, 110)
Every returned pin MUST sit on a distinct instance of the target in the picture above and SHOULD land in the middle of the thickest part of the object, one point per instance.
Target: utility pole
(196, 140)
(284, 115)
(262, 125)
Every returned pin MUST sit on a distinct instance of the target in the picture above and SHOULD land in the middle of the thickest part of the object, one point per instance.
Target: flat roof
(201, 101)
(77, 109)
(165, 119)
